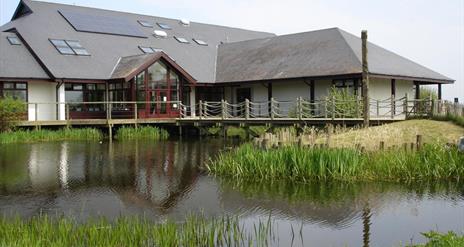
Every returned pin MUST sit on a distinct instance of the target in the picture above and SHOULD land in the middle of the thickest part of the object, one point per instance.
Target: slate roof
(46, 22)
(232, 54)
(311, 54)
(17, 62)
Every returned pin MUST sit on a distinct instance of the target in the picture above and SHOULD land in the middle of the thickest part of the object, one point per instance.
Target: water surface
(166, 180)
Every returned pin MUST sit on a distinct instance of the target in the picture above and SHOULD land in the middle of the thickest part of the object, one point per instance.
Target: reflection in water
(165, 179)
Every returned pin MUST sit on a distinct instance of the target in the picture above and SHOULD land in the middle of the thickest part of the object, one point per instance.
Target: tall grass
(458, 120)
(195, 231)
(437, 239)
(306, 164)
(28, 136)
(142, 132)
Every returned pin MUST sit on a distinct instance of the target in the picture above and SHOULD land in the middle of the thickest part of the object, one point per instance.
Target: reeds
(65, 134)
(195, 231)
(141, 133)
(295, 163)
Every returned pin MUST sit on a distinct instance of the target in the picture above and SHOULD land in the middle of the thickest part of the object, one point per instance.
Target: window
(16, 90)
(88, 92)
(163, 26)
(351, 85)
(145, 23)
(184, 22)
(157, 76)
(146, 49)
(69, 47)
(13, 40)
(181, 40)
(200, 42)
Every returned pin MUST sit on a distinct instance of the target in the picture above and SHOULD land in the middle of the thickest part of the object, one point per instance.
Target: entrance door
(159, 106)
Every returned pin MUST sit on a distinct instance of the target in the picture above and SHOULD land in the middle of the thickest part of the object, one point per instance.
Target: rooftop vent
(160, 34)
(185, 22)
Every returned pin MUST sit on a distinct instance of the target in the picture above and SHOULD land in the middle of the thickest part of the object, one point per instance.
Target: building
(55, 56)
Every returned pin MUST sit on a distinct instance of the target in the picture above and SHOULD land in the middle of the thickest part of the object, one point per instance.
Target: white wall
(42, 92)
(380, 93)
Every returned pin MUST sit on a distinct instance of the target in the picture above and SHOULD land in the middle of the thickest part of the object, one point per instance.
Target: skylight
(147, 49)
(200, 42)
(69, 47)
(185, 22)
(160, 34)
(163, 25)
(145, 23)
(13, 40)
(181, 40)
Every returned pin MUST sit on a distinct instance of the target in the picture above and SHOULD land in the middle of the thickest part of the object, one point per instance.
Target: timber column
(365, 79)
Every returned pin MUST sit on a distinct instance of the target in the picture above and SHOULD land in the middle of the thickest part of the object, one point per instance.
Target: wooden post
(378, 108)
(247, 109)
(110, 106)
(405, 105)
(224, 109)
(300, 108)
(365, 78)
(382, 145)
(392, 102)
(333, 108)
(200, 109)
(272, 108)
(135, 114)
(418, 142)
(325, 108)
(66, 107)
(439, 91)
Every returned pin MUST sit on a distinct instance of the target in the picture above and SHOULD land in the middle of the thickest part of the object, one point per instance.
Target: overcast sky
(429, 32)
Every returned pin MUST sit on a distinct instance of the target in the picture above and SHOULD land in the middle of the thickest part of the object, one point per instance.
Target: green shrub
(436, 239)
(346, 103)
(65, 134)
(11, 110)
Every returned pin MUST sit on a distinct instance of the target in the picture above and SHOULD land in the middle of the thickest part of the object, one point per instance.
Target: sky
(429, 32)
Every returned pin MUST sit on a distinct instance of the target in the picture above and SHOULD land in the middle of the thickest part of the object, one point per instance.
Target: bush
(346, 103)
(11, 110)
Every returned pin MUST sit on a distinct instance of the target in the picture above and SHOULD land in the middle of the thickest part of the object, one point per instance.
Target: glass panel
(200, 42)
(78, 87)
(82, 52)
(181, 40)
(163, 26)
(118, 85)
(157, 74)
(101, 86)
(145, 23)
(59, 43)
(74, 44)
(21, 85)
(13, 40)
(8, 85)
(174, 80)
(68, 86)
(65, 50)
(126, 84)
(91, 86)
(140, 81)
(15, 94)
(146, 49)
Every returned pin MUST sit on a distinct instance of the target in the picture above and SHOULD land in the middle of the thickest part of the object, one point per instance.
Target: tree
(11, 110)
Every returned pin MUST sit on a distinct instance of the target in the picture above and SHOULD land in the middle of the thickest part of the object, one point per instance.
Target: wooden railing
(299, 109)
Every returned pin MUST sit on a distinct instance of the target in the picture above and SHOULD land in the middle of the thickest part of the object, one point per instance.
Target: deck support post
(300, 108)
(200, 109)
(224, 109)
(365, 79)
(36, 113)
(333, 108)
(68, 123)
(110, 132)
(439, 91)
(135, 114)
(405, 106)
(392, 106)
(378, 108)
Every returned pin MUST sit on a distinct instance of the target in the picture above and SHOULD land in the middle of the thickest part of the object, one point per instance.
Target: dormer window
(13, 40)
(145, 23)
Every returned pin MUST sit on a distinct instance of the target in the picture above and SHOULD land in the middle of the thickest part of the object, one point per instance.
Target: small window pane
(182, 40)
(91, 86)
(156, 49)
(21, 86)
(101, 86)
(8, 85)
(15, 94)
(65, 50)
(59, 42)
(164, 26)
(74, 44)
(68, 86)
(82, 52)
(200, 42)
(146, 49)
(77, 87)
(145, 23)
(13, 40)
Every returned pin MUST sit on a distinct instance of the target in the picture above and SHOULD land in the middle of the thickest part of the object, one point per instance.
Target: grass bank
(65, 134)
(433, 161)
(458, 120)
(141, 133)
(195, 231)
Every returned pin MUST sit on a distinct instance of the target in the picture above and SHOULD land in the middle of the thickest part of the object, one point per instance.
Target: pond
(162, 180)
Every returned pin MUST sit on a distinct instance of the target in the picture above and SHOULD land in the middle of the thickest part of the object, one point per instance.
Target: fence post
(223, 109)
(326, 108)
(247, 109)
(135, 111)
(378, 108)
(418, 142)
(66, 107)
(333, 108)
(392, 106)
(300, 109)
(405, 105)
(200, 109)
(110, 106)
(272, 108)
(36, 112)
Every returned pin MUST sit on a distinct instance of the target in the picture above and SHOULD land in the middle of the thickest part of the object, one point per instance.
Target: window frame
(61, 45)
(181, 40)
(144, 23)
(13, 40)
(164, 26)
(200, 42)
(15, 88)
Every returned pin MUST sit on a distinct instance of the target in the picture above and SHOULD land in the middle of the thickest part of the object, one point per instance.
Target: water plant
(304, 164)
(141, 133)
(437, 239)
(195, 231)
(64, 134)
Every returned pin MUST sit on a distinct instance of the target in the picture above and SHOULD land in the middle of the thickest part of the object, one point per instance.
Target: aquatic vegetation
(436, 239)
(195, 231)
(64, 134)
(142, 132)
(432, 161)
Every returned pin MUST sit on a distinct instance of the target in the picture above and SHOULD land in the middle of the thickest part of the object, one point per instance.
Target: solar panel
(101, 24)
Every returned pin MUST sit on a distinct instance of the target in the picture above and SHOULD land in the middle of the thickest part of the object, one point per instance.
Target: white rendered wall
(380, 93)
(41, 92)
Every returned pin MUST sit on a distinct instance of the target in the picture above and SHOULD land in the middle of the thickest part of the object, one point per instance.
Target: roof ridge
(358, 59)
(151, 16)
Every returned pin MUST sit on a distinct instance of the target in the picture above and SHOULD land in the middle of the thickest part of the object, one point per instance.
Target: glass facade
(16, 90)
(88, 92)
